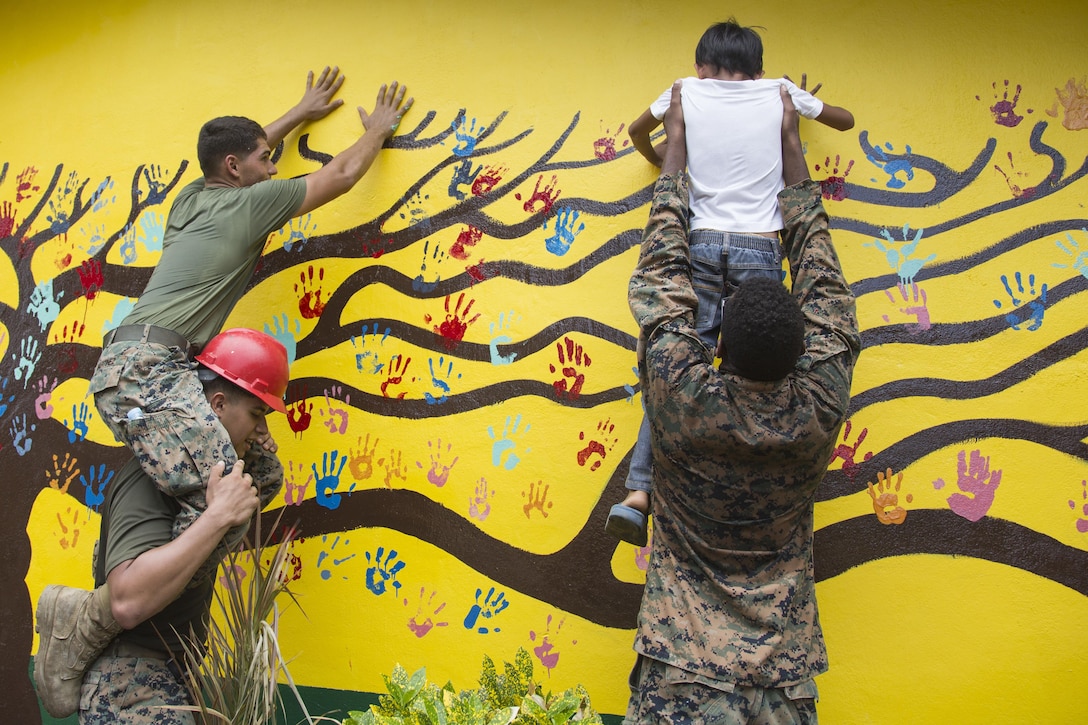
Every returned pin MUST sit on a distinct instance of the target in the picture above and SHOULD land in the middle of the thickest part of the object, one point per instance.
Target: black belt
(149, 333)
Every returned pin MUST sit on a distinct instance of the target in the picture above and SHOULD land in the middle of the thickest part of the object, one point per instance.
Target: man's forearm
(277, 130)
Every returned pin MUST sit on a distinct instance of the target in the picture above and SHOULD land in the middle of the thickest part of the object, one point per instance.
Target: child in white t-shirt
(733, 120)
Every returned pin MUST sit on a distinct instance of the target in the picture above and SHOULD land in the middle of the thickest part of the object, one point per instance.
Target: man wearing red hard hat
(154, 584)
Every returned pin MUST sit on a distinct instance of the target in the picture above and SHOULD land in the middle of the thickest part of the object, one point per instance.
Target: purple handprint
(977, 483)
(919, 310)
(439, 472)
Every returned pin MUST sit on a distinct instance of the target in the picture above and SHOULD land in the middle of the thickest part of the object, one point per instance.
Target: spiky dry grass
(233, 676)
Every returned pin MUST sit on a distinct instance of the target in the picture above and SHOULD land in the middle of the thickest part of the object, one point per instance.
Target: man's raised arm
(316, 103)
(348, 167)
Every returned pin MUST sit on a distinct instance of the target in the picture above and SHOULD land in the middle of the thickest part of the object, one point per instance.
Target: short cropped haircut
(763, 330)
(730, 47)
(214, 383)
(223, 136)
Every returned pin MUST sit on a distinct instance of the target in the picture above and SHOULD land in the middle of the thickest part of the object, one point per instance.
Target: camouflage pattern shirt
(730, 593)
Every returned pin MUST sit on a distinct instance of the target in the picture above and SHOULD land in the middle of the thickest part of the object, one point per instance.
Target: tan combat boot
(74, 627)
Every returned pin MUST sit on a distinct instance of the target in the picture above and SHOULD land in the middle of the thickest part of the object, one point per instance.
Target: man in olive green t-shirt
(145, 386)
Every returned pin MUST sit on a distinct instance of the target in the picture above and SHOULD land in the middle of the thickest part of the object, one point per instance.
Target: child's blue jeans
(720, 262)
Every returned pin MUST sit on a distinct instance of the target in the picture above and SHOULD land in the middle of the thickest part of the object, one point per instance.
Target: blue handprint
(156, 189)
(467, 135)
(58, 217)
(439, 382)
(630, 387)
(20, 434)
(503, 339)
(103, 195)
(326, 574)
(42, 305)
(882, 159)
(120, 312)
(463, 175)
(1030, 314)
(379, 572)
(506, 444)
(282, 333)
(151, 231)
(1080, 256)
(565, 231)
(419, 284)
(329, 479)
(491, 606)
(5, 401)
(899, 257)
(96, 239)
(94, 485)
(300, 235)
(80, 415)
(28, 359)
(360, 343)
(128, 245)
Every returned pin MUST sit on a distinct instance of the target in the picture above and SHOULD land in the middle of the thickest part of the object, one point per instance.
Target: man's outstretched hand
(388, 110)
(317, 102)
(794, 166)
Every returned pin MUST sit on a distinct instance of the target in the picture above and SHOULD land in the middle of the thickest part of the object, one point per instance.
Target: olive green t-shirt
(137, 517)
(213, 240)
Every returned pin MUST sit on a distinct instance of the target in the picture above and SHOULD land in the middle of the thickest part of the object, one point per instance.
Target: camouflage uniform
(121, 687)
(730, 597)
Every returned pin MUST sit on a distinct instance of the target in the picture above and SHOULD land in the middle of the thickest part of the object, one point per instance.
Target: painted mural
(464, 399)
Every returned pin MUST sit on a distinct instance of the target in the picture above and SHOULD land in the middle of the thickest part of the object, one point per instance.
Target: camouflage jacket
(730, 593)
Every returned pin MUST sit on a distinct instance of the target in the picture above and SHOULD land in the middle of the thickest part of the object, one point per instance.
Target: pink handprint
(918, 309)
(43, 408)
(421, 628)
(439, 472)
(977, 483)
(336, 419)
(604, 148)
(479, 505)
(294, 492)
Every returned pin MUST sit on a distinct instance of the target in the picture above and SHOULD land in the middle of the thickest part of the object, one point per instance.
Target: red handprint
(834, 186)
(75, 334)
(487, 180)
(90, 276)
(545, 196)
(453, 328)
(7, 219)
(25, 184)
(398, 367)
(469, 237)
(309, 303)
(604, 148)
(567, 362)
(601, 448)
(848, 453)
(298, 415)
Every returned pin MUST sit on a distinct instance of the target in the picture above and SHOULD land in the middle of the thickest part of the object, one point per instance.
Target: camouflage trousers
(132, 691)
(176, 437)
(661, 693)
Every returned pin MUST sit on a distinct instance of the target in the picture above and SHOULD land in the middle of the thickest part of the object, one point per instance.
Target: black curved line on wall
(1067, 440)
(852, 543)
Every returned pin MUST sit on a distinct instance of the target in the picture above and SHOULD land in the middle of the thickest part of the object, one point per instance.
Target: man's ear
(760, 75)
(230, 166)
(217, 401)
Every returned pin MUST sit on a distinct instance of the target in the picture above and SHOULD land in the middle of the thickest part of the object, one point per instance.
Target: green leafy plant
(233, 675)
(501, 699)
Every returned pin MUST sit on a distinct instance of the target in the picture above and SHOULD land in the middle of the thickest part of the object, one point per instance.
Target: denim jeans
(720, 262)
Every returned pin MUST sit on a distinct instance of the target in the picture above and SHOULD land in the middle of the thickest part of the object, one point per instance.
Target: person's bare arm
(317, 102)
(140, 588)
(676, 157)
(836, 117)
(348, 167)
(639, 131)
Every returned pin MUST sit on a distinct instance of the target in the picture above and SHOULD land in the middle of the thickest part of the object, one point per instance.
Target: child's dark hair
(223, 136)
(763, 330)
(728, 46)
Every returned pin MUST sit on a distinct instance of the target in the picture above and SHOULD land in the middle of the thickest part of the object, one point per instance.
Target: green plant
(232, 676)
(511, 697)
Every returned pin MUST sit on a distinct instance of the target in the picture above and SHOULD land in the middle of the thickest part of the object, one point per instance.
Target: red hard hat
(254, 361)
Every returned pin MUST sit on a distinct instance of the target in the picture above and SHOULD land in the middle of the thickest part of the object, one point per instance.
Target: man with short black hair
(728, 631)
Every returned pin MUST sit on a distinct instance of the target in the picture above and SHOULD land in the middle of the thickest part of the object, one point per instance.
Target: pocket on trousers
(88, 692)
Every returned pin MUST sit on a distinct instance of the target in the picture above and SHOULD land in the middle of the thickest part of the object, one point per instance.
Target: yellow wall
(971, 123)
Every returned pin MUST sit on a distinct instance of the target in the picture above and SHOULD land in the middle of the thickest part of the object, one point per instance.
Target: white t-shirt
(734, 140)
